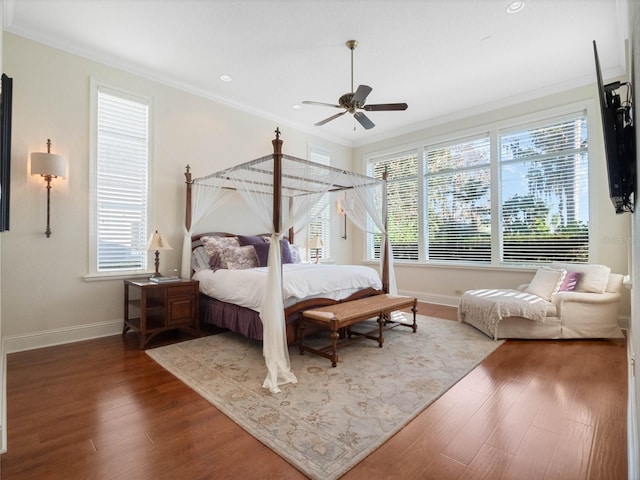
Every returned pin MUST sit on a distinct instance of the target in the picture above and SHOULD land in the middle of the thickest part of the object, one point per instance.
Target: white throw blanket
(491, 306)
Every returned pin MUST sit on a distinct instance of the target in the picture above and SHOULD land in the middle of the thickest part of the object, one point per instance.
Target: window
(121, 181)
(457, 185)
(320, 226)
(402, 204)
(544, 196)
(516, 196)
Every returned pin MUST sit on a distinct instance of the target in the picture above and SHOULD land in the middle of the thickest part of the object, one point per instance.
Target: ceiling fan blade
(364, 120)
(361, 94)
(385, 106)
(322, 104)
(332, 117)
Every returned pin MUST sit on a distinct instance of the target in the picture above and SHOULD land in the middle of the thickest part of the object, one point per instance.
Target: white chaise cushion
(594, 277)
(546, 282)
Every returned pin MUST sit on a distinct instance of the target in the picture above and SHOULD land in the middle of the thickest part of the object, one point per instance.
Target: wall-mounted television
(6, 93)
(619, 139)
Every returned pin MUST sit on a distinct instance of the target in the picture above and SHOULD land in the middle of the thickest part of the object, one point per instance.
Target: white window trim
(95, 85)
(492, 129)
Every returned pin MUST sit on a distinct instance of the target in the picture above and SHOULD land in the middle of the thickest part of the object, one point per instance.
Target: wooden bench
(338, 319)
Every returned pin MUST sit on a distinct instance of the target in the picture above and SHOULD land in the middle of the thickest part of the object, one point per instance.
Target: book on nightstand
(169, 279)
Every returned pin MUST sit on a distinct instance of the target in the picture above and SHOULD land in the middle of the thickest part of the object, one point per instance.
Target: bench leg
(414, 309)
(301, 327)
(382, 319)
(334, 348)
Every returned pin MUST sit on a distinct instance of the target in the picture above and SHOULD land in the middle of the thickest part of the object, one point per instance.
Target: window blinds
(122, 182)
(458, 189)
(544, 196)
(321, 212)
(518, 196)
(402, 205)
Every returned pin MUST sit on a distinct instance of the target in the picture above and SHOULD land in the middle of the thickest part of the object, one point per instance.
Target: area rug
(333, 417)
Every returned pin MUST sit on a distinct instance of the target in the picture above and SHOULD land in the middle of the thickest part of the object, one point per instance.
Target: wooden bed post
(277, 180)
(189, 182)
(291, 232)
(385, 260)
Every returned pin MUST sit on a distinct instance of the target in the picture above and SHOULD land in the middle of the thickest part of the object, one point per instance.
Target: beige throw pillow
(546, 282)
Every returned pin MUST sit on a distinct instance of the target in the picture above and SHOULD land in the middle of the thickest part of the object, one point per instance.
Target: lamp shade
(316, 242)
(48, 164)
(158, 242)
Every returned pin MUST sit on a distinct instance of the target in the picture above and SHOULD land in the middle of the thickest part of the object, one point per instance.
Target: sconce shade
(157, 242)
(48, 164)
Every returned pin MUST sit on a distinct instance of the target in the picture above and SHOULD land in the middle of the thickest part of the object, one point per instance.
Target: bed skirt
(239, 319)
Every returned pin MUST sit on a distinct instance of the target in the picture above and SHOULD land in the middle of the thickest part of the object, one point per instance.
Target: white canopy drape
(301, 185)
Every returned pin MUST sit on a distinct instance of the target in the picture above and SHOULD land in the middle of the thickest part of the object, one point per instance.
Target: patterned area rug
(333, 417)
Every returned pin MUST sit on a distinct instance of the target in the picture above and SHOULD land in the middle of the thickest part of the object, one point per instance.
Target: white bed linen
(300, 280)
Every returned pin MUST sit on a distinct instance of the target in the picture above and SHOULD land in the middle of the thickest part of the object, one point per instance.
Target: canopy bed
(280, 190)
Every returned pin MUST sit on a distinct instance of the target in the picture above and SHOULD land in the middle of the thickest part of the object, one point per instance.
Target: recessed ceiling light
(296, 106)
(225, 78)
(515, 7)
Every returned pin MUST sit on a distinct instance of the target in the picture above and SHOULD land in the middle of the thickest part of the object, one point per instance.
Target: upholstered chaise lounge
(562, 301)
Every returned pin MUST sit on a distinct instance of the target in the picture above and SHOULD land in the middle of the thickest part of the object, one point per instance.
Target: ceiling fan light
(515, 7)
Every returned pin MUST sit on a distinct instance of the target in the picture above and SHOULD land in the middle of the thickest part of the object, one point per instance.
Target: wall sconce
(156, 243)
(48, 165)
(344, 205)
(316, 244)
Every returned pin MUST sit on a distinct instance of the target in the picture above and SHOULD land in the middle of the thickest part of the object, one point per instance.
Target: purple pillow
(251, 240)
(262, 252)
(215, 262)
(570, 281)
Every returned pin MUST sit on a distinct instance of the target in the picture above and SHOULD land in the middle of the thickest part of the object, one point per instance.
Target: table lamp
(316, 244)
(156, 243)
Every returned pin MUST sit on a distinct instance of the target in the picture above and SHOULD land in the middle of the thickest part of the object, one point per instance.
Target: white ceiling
(444, 58)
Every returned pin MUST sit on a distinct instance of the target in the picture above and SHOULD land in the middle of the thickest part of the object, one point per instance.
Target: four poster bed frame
(229, 316)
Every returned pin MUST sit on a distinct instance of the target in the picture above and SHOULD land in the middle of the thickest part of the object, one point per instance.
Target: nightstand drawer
(181, 291)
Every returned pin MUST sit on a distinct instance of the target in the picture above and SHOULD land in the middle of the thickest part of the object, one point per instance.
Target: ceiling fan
(354, 102)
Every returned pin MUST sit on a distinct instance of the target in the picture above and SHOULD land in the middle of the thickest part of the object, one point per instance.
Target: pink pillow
(570, 281)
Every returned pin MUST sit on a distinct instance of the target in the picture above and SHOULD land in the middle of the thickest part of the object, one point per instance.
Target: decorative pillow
(262, 252)
(546, 282)
(594, 278)
(240, 258)
(214, 247)
(251, 240)
(199, 259)
(294, 251)
(216, 262)
(570, 281)
(286, 251)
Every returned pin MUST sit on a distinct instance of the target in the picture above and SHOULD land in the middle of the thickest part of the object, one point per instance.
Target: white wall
(45, 296)
(634, 327)
(611, 233)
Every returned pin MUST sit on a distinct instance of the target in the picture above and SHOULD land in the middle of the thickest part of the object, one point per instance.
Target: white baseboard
(60, 336)
(448, 300)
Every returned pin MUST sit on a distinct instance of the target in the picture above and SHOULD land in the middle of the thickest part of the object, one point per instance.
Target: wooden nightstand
(153, 308)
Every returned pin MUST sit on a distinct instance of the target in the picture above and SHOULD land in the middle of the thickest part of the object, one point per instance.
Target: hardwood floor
(102, 409)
